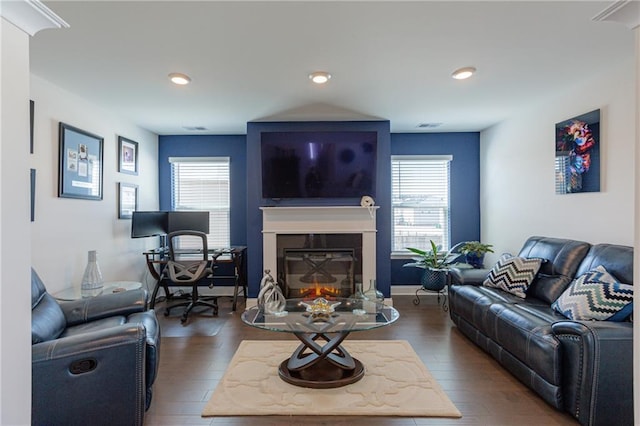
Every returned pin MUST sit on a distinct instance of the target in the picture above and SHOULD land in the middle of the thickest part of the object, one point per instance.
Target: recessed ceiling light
(178, 78)
(462, 73)
(320, 77)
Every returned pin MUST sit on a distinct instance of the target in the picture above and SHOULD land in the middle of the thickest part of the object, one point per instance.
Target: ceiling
(250, 61)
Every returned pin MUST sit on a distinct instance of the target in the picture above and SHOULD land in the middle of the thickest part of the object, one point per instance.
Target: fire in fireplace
(319, 272)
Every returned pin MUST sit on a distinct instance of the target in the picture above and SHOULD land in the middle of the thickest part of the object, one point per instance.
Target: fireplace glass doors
(315, 265)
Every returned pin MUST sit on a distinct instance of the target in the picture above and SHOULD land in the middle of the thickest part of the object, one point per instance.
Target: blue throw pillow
(596, 295)
(513, 274)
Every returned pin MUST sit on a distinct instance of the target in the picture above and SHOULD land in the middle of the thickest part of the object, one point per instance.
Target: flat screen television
(148, 224)
(321, 164)
(188, 221)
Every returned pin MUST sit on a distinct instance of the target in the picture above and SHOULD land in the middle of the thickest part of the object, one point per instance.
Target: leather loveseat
(579, 366)
(94, 360)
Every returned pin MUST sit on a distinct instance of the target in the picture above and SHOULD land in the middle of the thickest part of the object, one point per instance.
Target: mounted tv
(188, 221)
(321, 164)
(148, 224)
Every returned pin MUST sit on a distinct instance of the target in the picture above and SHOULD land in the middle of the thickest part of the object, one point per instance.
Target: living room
(515, 158)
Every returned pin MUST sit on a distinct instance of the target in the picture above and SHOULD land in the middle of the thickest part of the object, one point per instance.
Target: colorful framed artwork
(127, 156)
(577, 162)
(127, 200)
(80, 163)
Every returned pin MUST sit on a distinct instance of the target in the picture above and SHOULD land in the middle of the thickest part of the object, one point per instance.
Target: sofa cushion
(47, 319)
(596, 295)
(563, 259)
(513, 274)
(526, 334)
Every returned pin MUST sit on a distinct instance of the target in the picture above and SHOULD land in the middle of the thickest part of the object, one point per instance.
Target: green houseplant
(435, 264)
(474, 252)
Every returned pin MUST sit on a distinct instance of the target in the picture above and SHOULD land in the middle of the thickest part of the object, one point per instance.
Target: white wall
(66, 229)
(517, 169)
(15, 291)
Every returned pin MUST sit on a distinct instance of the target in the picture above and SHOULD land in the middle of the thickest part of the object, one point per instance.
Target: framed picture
(577, 163)
(80, 163)
(32, 106)
(33, 194)
(127, 200)
(127, 156)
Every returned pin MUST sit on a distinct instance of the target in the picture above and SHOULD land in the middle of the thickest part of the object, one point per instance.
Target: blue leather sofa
(582, 367)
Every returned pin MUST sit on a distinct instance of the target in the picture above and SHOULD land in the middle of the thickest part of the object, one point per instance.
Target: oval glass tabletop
(333, 315)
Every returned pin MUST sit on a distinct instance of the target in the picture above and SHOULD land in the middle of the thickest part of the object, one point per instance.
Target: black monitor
(188, 221)
(148, 224)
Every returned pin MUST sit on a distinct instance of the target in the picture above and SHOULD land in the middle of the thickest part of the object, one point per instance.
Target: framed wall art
(127, 156)
(577, 163)
(80, 163)
(127, 200)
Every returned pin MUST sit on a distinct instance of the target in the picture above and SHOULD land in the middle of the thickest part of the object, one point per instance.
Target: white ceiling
(389, 60)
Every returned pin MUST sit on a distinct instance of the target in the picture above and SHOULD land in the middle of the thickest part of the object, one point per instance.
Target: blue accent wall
(246, 196)
(232, 146)
(464, 191)
(255, 200)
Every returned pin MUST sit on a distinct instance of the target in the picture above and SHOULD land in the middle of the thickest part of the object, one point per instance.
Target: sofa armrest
(597, 370)
(468, 276)
(77, 378)
(103, 306)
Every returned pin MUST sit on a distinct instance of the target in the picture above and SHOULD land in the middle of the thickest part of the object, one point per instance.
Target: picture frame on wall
(127, 156)
(127, 200)
(80, 168)
(577, 159)
(32, 106)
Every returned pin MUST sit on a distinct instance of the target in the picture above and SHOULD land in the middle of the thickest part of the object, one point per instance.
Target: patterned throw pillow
(596, 295)
(513, 274)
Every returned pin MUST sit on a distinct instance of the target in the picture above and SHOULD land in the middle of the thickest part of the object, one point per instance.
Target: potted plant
(474, 252)
(435, 264)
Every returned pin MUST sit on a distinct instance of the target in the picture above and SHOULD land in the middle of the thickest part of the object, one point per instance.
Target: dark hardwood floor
(194, 357)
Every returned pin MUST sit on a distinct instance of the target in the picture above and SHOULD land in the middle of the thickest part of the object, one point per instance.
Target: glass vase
(359, 294)
(92, 281)
(373, 293)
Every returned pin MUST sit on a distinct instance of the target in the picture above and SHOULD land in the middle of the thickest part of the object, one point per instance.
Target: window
(420, 201)
(202, 183)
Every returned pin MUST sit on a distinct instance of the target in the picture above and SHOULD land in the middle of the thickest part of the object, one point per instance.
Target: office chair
(189, 265)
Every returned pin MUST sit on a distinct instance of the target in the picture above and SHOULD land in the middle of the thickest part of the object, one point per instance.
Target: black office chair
(189, 265)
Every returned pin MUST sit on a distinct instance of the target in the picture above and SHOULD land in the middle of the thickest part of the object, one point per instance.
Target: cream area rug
(396, 383)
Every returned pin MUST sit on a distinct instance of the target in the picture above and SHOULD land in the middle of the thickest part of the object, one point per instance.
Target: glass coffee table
(321, 325)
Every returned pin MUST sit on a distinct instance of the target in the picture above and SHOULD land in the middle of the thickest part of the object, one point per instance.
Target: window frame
(403, 253)
(213, 242)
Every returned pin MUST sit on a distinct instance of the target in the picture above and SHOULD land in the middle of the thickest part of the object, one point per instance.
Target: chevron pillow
(513, 274)
(596, 295)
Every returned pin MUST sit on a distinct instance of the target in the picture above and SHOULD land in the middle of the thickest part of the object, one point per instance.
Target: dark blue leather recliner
(94, 360)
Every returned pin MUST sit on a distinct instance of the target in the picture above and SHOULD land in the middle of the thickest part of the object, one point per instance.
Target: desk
(157, 258)
(75, 293)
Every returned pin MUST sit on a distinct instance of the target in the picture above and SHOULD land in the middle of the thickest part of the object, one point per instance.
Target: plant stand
(434, 280)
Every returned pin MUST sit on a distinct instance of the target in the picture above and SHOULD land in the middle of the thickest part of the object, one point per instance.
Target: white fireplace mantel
(320, 220)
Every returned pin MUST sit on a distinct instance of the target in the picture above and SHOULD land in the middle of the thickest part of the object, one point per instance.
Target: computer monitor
(188, 221)
(148, 224)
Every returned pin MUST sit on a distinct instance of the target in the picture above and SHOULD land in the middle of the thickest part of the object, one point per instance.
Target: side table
(75, 293)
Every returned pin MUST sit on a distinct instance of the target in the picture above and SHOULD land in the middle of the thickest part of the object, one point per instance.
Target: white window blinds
(203, 183)
(420, 201)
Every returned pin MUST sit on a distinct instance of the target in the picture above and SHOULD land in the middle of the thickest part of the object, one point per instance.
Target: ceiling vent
(429, 125)
(194, 128)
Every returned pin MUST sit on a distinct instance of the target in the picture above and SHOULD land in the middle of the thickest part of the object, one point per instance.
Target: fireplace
(319, 264)
(319, 251)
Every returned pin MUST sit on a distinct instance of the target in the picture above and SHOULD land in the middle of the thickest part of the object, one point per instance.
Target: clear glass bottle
(359, 294)
(373, 293)
(92, 281)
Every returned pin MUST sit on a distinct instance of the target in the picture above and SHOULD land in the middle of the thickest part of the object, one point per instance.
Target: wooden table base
(321, 366)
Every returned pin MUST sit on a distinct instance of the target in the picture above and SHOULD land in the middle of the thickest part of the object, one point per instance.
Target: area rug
(396, 383)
